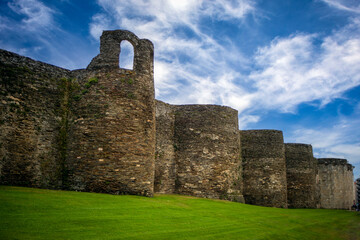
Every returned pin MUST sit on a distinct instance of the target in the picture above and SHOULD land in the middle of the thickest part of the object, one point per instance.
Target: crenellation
(100, 129)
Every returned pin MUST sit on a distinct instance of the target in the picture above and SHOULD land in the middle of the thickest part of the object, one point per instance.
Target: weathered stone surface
(94, 130)
(87, 130)
(357, 190)
(207, 152)
(110, 51)
(336, 183)
(30, 94)
(165, 164)
(301, 176)
(112, 140)
(264, 167)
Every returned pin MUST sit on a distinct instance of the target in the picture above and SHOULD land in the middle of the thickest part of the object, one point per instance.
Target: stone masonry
(335, 176)
(112, 140)
(165, 163)
(301, 176)
(87, 130)
(30, 102)
(207, 152)
(100, 129)
(264, 167)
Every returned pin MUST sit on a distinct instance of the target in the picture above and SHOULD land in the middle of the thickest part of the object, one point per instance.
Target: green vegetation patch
(27, 213)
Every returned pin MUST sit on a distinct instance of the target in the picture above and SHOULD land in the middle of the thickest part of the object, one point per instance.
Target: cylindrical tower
(301, 175)
(207, 152)
(336, 183)
(165, 165)
(111, 146)
(264, 167)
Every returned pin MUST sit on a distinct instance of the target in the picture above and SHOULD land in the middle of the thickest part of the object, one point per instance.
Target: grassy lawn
(27, 213)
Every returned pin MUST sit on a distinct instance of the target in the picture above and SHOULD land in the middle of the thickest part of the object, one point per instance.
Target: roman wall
(207, 152)
(300, 176)
(31, 93)
(336, 183)
(165, 164)
(264, 168)
(100, 130)
(111, 143)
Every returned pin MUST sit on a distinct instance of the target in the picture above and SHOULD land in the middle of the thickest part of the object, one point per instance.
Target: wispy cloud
(340, 140)
(31, 28)
(295, 70)
(35, 13)
(344, 5)
(191, 66)
(99, 23)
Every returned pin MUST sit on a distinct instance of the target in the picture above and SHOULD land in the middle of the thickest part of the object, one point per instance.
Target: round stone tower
(264, 167)
(301, 175)
(336, 183)
(207, 152)
(112, 133)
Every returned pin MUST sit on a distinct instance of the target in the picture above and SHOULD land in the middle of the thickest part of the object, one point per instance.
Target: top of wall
(14, 59)
(335, 162)
(110, 51)
(298, 144)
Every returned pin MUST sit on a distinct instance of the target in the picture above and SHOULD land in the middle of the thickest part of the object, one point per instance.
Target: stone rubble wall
(112, 138)
(30, 106)
(336, 183)
(300, 176)
(165, 164)
(264, 168)
(207, 152)
(99, 129)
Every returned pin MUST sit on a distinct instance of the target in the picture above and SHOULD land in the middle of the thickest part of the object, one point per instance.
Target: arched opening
(126, 57)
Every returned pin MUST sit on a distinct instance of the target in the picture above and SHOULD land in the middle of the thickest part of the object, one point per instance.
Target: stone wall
(336, 183)
(165, 164)
(112, 138)
(30, 112)
(264, 167)
(207, 152)
(94, 130)
(357, 190)
(301, 176)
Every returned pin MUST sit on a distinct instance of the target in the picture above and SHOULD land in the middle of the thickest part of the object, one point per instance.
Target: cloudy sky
(283, 64)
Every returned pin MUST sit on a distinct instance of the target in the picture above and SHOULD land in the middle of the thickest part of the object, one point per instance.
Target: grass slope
(27, 213)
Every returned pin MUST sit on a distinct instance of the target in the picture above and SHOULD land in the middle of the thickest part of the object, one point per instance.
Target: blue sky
(292, 65)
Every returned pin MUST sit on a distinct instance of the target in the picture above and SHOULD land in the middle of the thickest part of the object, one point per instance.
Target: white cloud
(344, 5)
(294, 70)
(190, 65)
(99, 23)
(340, 140)
(244, 120)
(35, 13)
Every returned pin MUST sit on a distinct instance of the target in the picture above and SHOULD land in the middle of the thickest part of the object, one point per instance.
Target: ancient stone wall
(165, 164)
(264, 167)
(94, 130)
(300, 176)
(112, 139)
(31, 95)
(336, 183)
(357, 190)
(207, 152)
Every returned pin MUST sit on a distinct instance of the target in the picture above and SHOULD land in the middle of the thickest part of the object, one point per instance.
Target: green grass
(27, 213)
